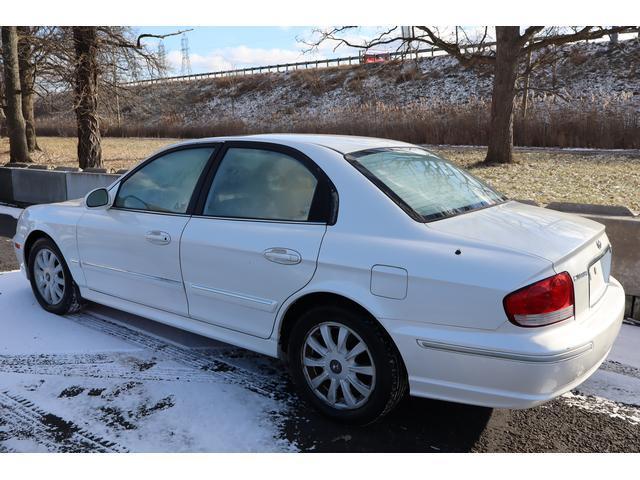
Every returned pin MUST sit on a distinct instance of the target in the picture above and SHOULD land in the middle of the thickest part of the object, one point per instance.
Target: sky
(225, 48)
(222, 48)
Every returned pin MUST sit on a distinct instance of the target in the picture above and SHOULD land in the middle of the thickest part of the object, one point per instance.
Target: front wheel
(345, 365)
(51, 280)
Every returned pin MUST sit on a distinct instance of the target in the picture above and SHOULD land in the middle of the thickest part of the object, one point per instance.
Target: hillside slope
(432, 95)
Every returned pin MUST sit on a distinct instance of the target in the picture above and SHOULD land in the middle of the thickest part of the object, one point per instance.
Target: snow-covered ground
(618, 380)
(104, 380)
(584, 75)
(81, 380)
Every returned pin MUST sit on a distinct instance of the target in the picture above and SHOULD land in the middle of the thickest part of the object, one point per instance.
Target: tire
(379, 372)
(48, 266)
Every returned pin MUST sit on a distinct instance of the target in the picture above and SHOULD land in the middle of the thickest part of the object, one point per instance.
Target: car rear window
(426, 185)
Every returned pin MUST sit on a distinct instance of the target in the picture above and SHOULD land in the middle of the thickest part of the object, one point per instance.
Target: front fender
(57, 221)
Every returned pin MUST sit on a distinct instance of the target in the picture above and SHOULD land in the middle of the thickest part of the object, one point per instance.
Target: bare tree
(19, 151)
(97, 48)
(86, 96)
(27, 82)
(512, 45)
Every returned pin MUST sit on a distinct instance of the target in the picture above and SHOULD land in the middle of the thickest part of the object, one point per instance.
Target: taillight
(542, 303)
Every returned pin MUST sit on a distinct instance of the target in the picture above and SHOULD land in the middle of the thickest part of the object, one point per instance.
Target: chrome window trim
(151, 212)
(261, 220)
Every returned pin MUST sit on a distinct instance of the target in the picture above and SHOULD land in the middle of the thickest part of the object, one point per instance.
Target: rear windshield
(429, 187)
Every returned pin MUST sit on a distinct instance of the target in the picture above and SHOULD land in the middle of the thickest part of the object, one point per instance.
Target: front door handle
(158, 238)
(285, 256)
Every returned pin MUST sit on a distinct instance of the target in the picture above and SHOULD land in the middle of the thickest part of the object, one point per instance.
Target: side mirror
(97, 198)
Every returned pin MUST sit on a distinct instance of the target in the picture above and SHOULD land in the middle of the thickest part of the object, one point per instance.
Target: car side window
(261, 184)
(166, 183)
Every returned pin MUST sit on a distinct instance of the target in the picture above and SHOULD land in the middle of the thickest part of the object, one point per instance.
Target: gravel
(557, 427)
(7, 257)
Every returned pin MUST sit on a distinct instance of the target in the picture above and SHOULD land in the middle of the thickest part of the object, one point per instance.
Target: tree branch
(151, 35)
(586, 33)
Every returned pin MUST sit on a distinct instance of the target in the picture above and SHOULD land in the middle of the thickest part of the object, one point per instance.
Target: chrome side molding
(506, 355)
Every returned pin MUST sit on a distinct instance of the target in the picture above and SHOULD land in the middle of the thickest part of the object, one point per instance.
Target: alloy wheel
(49, 276)
(338, 366)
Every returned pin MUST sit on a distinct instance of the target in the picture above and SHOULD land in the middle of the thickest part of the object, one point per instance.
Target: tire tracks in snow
(108, 365)
(24, 419)
(215, 366)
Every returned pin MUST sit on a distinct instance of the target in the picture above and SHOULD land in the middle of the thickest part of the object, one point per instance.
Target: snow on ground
(78, 382)
(11, 211)
(104, 380)
(627, 347)
(618, 379)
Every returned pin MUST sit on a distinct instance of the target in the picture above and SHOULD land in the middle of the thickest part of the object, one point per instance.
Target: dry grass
(587, 122)
(542, 176)
(117, 153)
(601, 179)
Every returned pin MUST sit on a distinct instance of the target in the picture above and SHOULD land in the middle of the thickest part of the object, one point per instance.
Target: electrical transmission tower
(186, 61)
(408, 34)
(162, 60)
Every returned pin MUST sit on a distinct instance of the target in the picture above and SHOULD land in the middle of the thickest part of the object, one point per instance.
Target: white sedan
(371, 266)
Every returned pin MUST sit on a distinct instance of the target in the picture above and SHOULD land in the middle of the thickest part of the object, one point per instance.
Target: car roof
(340, 143)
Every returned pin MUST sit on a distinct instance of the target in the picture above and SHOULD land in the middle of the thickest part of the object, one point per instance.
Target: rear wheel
(345, 365)
(51, 280)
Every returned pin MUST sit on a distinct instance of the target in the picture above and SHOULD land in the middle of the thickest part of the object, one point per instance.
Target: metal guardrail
(311, 64)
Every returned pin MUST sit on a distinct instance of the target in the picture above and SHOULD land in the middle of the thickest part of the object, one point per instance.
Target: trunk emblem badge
(580, 275)
(598, 244)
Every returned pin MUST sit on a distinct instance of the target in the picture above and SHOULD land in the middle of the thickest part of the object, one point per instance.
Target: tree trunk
(86, 97)
(504, 89)
(27, 80)
(18, 149)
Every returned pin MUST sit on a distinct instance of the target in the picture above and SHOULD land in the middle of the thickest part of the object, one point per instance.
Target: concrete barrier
(590, 209)
(6, 185)
(28, 186)
(624, 234)
(81, 183)
(623, 230)
(32, 186)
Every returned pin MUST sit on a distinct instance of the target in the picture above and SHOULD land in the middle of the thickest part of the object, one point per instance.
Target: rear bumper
(509, 367)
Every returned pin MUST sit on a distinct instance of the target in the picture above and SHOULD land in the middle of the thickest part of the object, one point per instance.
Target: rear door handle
(284, 256)
(158, 238)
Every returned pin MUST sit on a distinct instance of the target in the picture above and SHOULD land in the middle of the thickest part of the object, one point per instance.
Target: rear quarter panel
(443, 288)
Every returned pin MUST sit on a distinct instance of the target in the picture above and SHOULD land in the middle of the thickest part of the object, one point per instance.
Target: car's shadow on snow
(416, 425)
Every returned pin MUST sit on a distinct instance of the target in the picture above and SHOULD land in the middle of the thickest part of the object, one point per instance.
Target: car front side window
(165, 184)
(261, 184)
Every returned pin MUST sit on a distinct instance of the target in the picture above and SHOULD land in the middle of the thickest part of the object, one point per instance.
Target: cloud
(235, 57)
(244, 56)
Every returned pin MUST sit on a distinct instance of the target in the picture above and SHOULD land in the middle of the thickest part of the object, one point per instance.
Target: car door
(255, 236)
(131, 250)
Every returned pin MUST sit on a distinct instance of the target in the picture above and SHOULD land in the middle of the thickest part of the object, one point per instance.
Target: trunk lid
(524, 228)
(572, 243)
